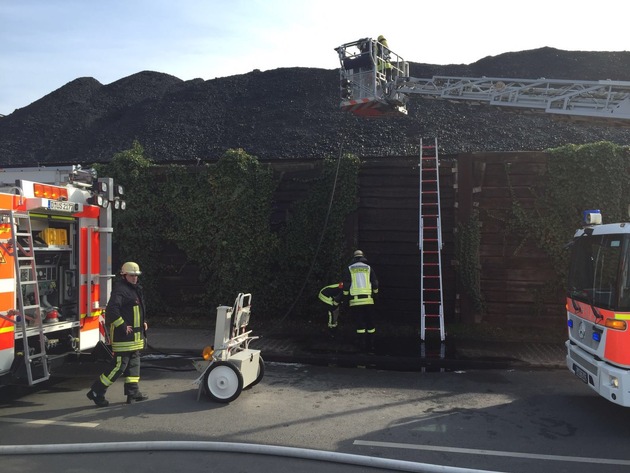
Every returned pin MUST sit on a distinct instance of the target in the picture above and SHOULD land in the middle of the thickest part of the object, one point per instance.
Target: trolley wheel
(260, 374)
(223, 382)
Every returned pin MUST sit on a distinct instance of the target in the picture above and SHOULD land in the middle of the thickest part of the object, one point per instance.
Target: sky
(44, 44)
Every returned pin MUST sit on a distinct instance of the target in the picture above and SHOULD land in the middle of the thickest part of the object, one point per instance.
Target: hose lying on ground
(231, 447)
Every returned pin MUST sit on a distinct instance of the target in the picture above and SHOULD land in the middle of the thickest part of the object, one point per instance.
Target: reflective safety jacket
(331, 295)
(126, 308)
(360, 283)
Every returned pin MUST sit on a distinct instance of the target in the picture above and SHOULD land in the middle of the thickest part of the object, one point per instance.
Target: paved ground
(399, 354)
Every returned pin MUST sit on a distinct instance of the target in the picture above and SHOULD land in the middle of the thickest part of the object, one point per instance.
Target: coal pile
(290, 113)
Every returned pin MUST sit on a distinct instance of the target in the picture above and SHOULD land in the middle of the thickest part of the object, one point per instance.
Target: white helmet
(130, 268)
(358, 254)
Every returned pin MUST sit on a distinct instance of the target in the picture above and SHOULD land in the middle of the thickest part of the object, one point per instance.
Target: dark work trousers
(364, 316)
(125, 364)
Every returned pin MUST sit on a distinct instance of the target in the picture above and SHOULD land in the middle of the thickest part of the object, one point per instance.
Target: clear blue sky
(44, 44)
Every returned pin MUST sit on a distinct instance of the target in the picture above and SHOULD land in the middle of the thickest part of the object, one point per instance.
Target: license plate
(60, 206)
(580, 373)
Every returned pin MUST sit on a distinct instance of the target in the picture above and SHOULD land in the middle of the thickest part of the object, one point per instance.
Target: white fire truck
(598, 307)
(55, 266)
(375, 82)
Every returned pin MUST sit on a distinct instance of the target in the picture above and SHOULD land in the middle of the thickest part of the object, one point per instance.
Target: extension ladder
(29, 313)
(430, 242)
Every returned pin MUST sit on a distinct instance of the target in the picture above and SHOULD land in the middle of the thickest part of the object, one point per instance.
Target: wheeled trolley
(230, 365)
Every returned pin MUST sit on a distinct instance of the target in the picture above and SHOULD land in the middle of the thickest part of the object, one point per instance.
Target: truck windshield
(599, 273)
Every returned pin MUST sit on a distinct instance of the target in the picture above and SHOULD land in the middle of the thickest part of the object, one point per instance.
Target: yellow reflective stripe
(7, 329)
(127, 346)
(106, 378)
(622, 316)
(137, 335)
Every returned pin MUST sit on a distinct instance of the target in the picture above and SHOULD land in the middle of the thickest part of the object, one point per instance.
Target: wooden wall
(516, 276)
(387, 230)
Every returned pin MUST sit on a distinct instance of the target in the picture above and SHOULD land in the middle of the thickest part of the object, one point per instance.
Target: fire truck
(55, 266)
(374, 82)
(598, 307)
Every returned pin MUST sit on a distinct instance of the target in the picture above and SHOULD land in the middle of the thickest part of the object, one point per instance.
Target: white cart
(230, 365)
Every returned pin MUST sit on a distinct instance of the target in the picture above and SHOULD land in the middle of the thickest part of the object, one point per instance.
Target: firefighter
(384, 66)
(332, 296)
(125, 315)
(360, 287)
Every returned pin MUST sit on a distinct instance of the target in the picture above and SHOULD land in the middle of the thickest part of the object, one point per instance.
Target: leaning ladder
(430, 242)
(29, 315)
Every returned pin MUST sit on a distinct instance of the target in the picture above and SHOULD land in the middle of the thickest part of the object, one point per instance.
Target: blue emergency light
(592, 217)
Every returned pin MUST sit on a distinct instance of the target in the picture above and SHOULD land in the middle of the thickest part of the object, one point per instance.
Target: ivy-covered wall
(210, 225)
(523, 210)
(204, 233)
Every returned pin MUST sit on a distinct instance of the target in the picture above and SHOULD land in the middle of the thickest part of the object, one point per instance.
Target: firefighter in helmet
(360, 287)
(125, 315)
(383, 65)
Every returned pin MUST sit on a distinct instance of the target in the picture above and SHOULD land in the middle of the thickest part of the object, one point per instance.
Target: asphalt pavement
(394, 353)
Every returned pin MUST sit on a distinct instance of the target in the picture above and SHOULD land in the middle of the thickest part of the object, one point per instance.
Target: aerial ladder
(369, 89)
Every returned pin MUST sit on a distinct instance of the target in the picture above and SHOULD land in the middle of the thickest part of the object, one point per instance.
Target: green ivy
(134, 237)
(217, 216)
(467, 254)
(313, 243)
(578, 178)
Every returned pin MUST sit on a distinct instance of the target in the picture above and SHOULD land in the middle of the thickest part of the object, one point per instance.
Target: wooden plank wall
(387, 230)
(515, 274)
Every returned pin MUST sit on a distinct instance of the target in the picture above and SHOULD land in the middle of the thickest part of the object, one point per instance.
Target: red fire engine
(55, 266)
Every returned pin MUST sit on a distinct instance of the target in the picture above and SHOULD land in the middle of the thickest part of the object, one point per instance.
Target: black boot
(99, 399)
(138, 397)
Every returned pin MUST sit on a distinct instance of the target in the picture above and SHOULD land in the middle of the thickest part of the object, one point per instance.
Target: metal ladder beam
(30, 315)
(603, 99)
(430, 243)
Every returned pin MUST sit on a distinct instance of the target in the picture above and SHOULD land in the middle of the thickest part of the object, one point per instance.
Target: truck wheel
(223, 382)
